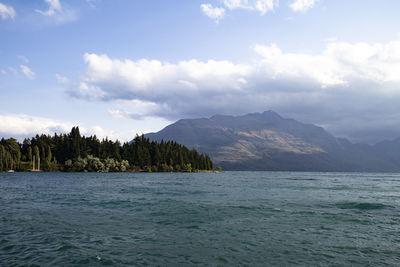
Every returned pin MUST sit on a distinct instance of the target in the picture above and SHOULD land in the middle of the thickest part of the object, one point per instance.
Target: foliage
(10, 154)
(73, 152)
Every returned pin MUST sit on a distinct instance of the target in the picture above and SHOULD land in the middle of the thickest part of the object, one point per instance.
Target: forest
(73, 152)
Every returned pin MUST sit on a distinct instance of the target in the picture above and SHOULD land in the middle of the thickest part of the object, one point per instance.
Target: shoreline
(130, 171)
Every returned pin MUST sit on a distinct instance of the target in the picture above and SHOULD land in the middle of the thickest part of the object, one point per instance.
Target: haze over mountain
(267, 141)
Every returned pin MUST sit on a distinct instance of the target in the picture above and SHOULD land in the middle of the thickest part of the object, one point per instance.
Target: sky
(118, 68)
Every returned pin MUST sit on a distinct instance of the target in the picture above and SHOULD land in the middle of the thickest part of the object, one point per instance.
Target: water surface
(228, 218)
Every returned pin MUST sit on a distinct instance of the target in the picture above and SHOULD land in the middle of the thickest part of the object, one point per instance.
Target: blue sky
(121, 67)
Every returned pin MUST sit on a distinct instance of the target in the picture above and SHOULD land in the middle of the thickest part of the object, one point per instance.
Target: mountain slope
(266, 141)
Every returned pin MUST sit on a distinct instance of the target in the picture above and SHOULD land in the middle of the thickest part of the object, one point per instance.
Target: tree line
(74, 152)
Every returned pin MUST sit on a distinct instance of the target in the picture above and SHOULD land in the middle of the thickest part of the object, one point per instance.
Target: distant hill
(266, 141)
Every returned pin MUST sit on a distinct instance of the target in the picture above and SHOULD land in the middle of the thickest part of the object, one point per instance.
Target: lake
(181, 219)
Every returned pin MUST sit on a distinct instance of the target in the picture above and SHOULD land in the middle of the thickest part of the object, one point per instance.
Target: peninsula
(75, 153)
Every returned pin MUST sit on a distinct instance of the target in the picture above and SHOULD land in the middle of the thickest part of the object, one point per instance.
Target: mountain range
(267, 141)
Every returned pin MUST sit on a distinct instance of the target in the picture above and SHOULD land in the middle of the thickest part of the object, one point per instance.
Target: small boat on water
(10, 171)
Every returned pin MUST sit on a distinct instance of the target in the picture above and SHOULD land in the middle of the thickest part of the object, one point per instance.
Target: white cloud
(116, 113)
(148, 80)
(3, 72)
(61, 79)
(321, 69)
(54, 6)
(120, 113)
(138, 109)
(25, 126)
(302, 5)
(110, 134)
(345, 78)
(27, 72)
(262, 6)
(215, 13)
(235, 4)
(7, 12)
(339, 64)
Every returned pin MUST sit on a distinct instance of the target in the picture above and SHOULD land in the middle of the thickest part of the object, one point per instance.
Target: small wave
(362, 205)
(64, 247)
(302, 179)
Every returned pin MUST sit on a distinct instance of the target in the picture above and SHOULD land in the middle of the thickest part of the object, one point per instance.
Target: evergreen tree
(73, 152)
(29, 151)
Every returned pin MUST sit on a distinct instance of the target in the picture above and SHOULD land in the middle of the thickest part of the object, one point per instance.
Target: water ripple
(224, 219)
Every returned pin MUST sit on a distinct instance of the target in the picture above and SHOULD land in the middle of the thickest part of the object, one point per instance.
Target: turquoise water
(179, 219)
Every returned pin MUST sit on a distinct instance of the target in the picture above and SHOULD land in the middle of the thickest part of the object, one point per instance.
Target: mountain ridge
(267, 141)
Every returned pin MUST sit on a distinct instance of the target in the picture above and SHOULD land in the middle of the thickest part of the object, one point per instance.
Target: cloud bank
(344, 85)
(21, 126)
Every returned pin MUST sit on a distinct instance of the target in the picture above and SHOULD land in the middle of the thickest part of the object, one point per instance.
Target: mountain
(267, 141)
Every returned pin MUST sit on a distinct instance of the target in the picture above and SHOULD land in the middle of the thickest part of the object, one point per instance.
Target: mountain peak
(271, 114)
(266, 116)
